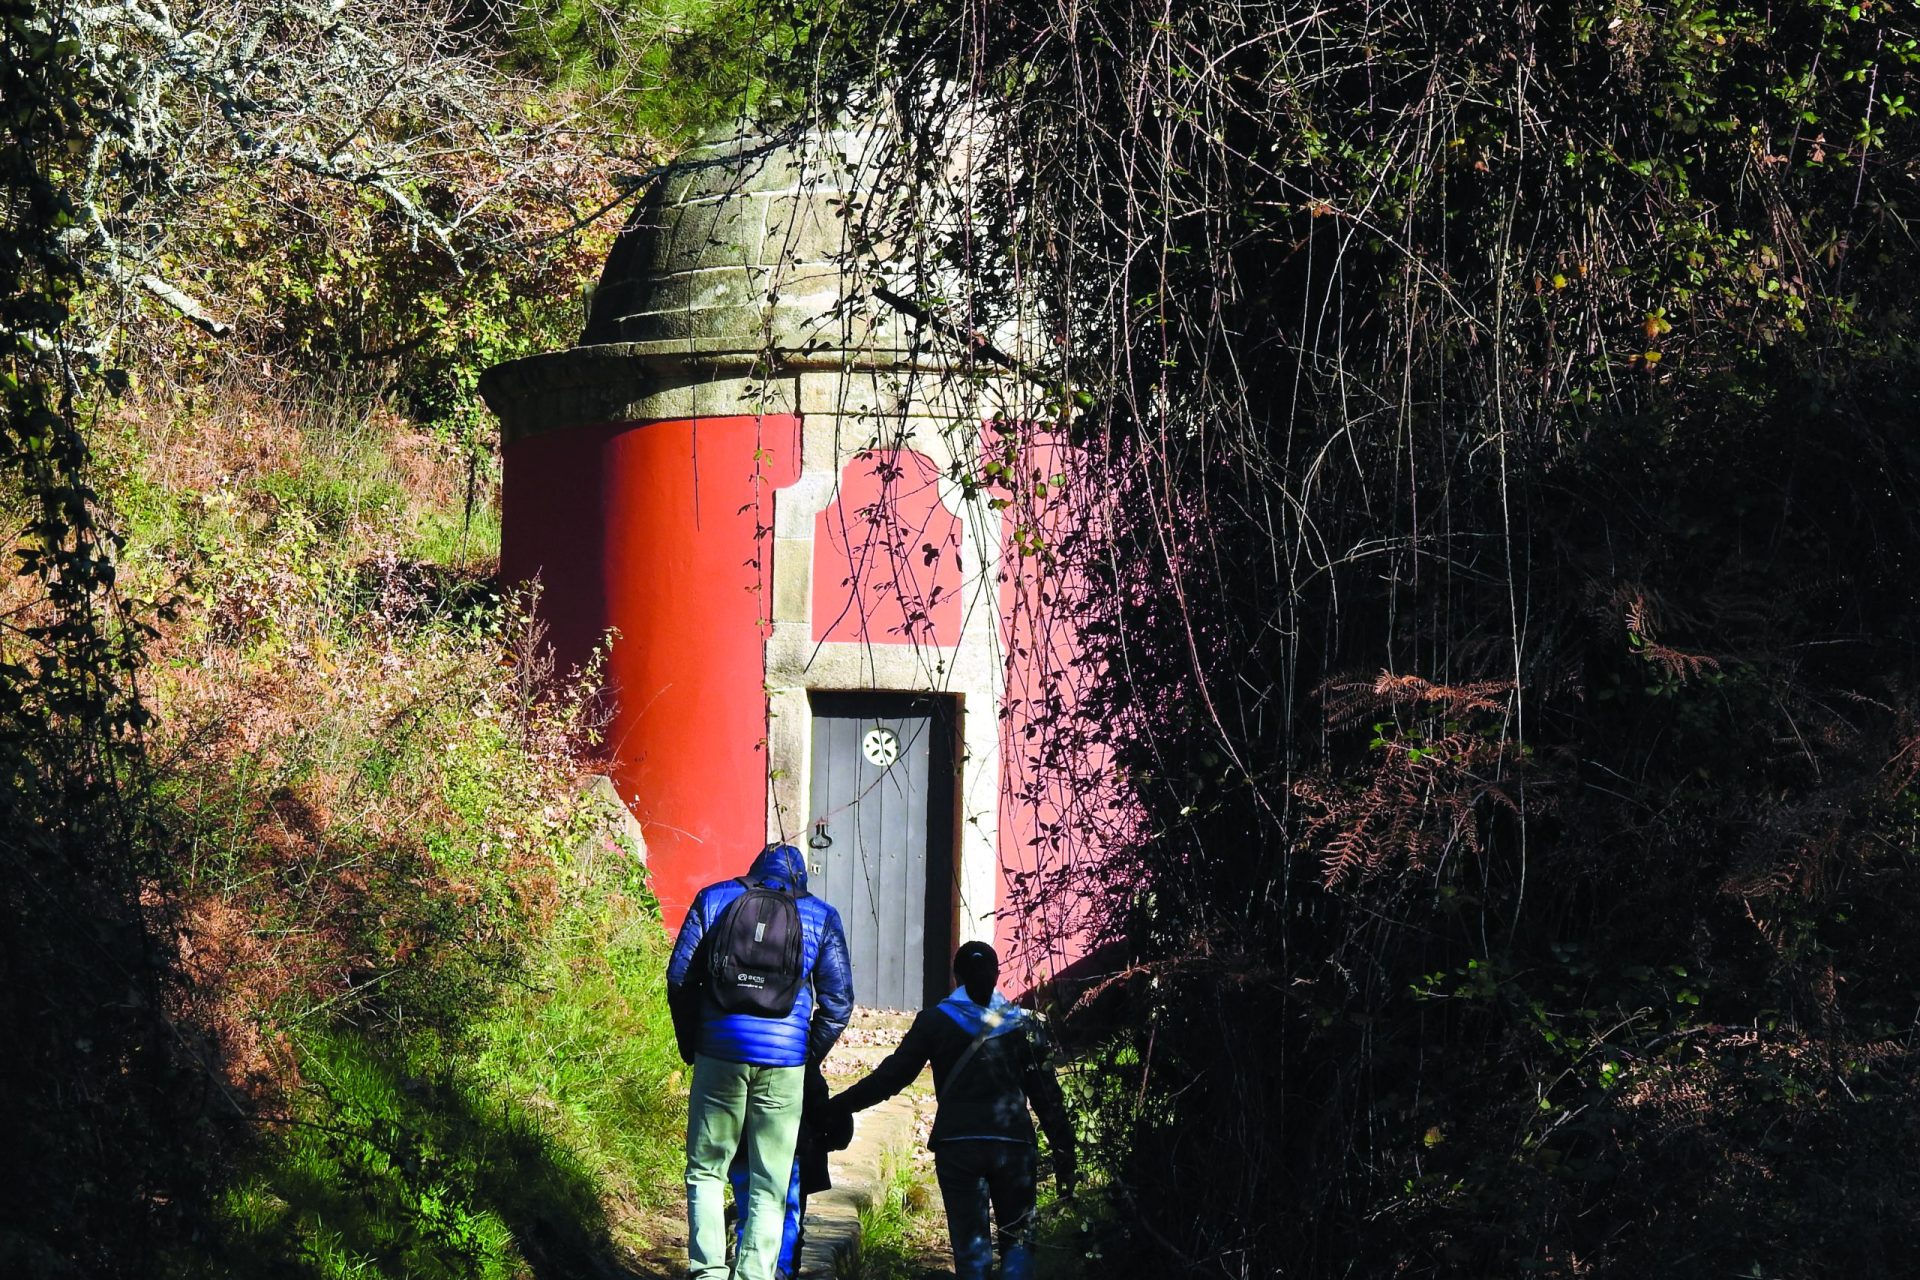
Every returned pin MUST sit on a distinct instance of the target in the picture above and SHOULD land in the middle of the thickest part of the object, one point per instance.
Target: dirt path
(892, 1131)
(895, 1130)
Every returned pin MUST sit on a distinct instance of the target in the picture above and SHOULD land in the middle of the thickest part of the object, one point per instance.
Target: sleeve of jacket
(1042, 1088)
(692, 929)
(893, 1074)
(832, 989)
(683, 984)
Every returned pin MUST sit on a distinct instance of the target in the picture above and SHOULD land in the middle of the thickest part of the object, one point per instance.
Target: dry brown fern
(1426, 793)
(1346, 699)
(1675, 662)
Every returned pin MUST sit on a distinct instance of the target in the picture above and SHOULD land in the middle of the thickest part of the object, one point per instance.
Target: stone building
(777, 480)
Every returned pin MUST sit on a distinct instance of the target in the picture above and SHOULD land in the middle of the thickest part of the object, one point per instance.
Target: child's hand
(837, 1126)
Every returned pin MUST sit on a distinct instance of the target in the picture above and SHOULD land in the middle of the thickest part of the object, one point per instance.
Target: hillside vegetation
(422, 972)
(321, 957)
(1494, 556)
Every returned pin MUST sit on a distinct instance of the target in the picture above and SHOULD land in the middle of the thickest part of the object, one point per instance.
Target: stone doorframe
(843, 411)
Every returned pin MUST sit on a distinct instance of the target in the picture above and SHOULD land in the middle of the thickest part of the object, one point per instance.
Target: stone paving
(897, 1127)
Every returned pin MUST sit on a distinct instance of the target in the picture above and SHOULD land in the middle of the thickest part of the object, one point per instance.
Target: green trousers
(732, 1104)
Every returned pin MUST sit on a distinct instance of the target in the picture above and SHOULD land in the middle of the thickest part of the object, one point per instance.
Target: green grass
(450, 538)
(903, 1232)
(347, 486)
(590, 1043)
(398, 1159)
(894, 1226)
(388, 1167)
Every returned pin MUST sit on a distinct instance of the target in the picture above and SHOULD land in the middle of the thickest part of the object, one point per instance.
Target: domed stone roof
(751, 243)
(751, 259)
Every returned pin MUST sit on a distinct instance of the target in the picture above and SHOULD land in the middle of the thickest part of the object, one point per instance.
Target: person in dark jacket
(990, 1059)
(749, 1070)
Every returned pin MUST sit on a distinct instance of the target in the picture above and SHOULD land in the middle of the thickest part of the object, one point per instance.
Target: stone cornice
(652, 381)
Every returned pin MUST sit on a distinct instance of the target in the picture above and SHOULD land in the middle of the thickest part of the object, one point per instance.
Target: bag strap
(985, 1034)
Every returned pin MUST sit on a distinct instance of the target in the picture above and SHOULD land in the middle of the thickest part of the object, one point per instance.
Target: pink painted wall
(886, 570)
(886, 555)
(1048, 797)
(662, 531)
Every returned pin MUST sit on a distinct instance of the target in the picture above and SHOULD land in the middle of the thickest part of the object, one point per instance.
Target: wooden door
(880, 838)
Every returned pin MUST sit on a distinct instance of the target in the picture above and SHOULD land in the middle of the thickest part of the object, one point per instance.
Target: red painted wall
(886, 555)
(662, 531)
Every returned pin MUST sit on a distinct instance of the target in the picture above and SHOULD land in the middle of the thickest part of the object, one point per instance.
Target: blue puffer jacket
(819, 1013)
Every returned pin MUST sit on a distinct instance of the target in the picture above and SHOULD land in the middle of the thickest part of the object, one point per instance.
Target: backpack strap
(992, 1024)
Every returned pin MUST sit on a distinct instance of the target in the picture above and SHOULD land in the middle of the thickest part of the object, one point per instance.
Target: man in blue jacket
(990, 1059)
(749, 1069)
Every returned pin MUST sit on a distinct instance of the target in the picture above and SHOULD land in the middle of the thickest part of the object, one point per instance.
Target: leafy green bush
(666, 69)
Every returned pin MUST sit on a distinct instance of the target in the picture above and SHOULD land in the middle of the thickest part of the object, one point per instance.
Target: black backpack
(754, 962)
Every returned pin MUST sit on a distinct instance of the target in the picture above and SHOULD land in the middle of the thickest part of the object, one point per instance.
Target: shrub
(430, 996)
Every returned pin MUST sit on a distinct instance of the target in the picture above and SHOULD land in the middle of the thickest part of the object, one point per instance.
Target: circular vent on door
(881, 747)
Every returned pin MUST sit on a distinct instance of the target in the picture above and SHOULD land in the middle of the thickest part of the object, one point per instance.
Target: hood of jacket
(995, 1018)
(781, 865)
